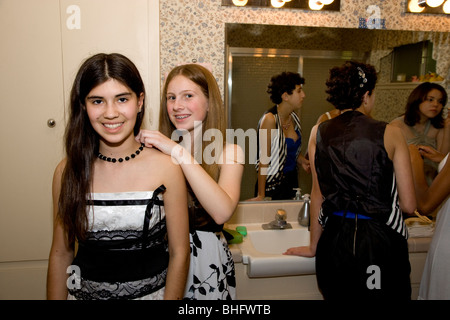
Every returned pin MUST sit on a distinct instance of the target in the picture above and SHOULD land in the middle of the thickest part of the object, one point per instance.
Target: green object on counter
(242, 230)
(232, 236)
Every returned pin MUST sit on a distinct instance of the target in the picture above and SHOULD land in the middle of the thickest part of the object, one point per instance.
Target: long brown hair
(415, 99)
(215, 118)
(82, 141)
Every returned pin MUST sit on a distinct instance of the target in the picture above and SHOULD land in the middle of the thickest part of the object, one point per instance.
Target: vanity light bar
(428, 6)
(329, 5)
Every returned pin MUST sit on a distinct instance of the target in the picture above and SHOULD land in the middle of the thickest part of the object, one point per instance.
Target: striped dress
(278, 150)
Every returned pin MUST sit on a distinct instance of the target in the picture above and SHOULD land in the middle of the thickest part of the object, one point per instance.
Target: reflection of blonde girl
(122, 203)
(191, 96)
(423, 122)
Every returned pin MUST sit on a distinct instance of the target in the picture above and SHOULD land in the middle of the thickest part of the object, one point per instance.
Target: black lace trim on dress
(124, 264)
(92, 290)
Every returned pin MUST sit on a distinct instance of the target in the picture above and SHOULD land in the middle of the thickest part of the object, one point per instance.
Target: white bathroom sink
(262, 251)
(277, 241)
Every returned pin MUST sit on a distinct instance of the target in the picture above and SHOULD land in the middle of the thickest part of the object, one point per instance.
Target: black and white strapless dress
(125, 254)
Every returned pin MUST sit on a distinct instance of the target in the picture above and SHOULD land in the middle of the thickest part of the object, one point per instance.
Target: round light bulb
(434, 3)
(414, 6)
(315, 5)
(240, 3)
(277, 3)
(446, 7)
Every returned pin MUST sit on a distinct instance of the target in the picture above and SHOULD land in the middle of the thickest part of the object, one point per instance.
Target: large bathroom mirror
(257, 52)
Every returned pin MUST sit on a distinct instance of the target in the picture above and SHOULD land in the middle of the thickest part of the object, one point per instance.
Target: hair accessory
(114, 160)
(362, 75)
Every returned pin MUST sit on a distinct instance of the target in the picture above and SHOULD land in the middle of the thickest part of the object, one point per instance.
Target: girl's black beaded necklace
(114, 160)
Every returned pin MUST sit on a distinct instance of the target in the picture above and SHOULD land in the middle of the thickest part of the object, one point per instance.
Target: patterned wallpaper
(195, 29)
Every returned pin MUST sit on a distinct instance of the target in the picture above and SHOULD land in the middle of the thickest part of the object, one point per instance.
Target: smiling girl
(122, 204)
(192, 102)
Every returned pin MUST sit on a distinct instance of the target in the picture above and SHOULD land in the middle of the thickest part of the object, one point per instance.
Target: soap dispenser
(303, 215)
(298, 195)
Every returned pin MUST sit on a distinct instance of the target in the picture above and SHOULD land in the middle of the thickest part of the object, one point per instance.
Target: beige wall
(43, 44)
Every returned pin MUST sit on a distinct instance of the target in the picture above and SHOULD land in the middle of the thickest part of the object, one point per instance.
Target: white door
(90, 27)
(32, 93)
(42, 45)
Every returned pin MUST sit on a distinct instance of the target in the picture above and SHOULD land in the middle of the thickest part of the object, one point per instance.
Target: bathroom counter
(304, 287)
(415, 245)
(236, 253)
(299, 287)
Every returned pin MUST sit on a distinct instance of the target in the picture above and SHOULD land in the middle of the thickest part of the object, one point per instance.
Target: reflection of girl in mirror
(423, 122)
(122, 203)
(361, 183)
(191, 97)
(280, 139)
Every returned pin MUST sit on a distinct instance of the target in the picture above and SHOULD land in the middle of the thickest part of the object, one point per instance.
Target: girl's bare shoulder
(160, 159)
(268, 121)
(398, 122)
(162, 166)
(60, 168)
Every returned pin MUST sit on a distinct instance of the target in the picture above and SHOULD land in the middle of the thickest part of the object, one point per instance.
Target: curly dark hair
(416, 97)
(347, 84)
(283, 82)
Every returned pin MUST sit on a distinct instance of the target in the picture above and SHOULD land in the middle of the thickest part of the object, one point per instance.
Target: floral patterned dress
(211, 272)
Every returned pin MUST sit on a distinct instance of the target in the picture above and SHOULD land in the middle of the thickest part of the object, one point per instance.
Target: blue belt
(350, 215)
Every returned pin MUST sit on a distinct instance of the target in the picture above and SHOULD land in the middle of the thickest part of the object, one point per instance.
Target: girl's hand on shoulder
(431, 153)
(155, 139)
(416, 157)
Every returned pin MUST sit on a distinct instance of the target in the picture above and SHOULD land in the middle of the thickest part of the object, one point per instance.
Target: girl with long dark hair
(122, 206)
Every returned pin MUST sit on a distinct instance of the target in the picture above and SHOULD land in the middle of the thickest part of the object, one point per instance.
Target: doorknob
(51, 123)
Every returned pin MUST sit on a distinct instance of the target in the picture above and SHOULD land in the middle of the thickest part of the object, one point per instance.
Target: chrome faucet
(279, 223)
